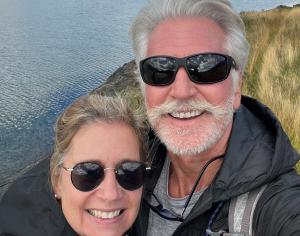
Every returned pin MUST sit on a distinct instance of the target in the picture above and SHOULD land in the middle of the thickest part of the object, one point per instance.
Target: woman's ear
(57, 188)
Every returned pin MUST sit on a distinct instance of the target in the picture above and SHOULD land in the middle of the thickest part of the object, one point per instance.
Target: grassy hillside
(273, 71)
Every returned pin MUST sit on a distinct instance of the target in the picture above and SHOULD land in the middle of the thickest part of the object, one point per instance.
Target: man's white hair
(220, 11)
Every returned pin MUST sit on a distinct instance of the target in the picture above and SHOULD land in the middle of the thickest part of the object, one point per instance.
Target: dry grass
(273, 71)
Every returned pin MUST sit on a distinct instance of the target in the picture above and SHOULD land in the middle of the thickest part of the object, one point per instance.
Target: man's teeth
(185, 115)
(104, 214)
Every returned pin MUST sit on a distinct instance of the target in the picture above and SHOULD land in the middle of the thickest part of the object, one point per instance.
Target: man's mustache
(186, 106)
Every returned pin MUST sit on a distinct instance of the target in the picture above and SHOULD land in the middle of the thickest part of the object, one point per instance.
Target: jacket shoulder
(29, 208)
(278, 210)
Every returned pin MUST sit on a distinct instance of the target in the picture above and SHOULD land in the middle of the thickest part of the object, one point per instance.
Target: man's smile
(185, 114)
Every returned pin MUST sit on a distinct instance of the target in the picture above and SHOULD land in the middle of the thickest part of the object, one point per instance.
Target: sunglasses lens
(207, 68)
(87, 176)
(131, 175)
(158, 70)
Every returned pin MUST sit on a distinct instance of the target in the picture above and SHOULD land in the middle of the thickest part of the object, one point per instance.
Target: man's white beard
(191, 140)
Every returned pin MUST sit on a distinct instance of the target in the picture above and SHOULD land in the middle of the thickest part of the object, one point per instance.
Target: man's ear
(237, 93)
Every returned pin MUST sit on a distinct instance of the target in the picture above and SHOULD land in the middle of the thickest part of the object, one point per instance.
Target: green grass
(273, 71)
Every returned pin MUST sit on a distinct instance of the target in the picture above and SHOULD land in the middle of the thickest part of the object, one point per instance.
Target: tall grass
(273, 71)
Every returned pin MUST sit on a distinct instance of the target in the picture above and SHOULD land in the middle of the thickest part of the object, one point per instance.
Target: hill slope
(273, 71)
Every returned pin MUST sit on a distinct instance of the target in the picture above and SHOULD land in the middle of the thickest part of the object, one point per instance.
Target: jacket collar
(254, 155)
(255, 151)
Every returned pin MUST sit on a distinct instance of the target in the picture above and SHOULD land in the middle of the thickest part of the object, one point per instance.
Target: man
(191, 56)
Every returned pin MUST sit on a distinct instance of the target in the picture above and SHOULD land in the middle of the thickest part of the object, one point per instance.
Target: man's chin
(180, 151)
(187, 144)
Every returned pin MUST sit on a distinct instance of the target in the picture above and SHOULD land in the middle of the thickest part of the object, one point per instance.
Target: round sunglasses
(202, 68)
(86, 176)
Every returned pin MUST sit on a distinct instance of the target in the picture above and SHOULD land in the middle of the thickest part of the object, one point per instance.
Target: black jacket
(258, 152)
(29, 208)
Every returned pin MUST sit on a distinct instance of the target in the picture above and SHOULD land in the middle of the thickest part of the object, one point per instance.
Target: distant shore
(272, 9)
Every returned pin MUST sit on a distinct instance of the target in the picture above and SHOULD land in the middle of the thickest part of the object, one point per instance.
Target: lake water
(52, 52)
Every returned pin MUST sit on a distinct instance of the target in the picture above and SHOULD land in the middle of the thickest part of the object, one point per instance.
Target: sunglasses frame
(182, 62)
(118, 166)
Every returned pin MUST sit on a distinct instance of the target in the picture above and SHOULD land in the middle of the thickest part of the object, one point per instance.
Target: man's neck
(184, 170)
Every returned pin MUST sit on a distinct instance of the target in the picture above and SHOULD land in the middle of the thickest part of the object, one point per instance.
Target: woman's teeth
(104, 214)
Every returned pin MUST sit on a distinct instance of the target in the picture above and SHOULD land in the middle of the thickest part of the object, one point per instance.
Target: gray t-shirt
(158, 225)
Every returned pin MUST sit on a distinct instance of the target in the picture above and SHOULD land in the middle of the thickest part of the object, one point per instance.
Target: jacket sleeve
(278, 211)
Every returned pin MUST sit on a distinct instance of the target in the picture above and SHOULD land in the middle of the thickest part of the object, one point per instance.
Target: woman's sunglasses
(203, 68)
(86, 176)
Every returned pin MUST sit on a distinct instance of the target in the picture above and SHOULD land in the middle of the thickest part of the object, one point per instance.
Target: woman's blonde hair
(97, 106)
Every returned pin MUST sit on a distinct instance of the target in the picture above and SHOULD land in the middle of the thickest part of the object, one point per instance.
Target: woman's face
(108, 209)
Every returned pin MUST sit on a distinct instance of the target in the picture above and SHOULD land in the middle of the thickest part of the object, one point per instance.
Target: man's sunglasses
(86, 176)
(202, 68)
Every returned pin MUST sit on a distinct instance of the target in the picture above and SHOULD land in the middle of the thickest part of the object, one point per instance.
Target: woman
(96, 170)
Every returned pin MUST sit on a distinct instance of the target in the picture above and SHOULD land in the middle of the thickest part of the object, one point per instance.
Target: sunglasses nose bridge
(182, 86)
(181, 62)
(109, 187)
(110, 168)
(115, 171)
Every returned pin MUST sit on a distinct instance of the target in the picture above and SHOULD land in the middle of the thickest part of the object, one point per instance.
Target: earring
(56, 196)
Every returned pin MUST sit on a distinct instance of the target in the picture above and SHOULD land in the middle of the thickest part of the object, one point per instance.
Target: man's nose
(182, 87)
(109, 188)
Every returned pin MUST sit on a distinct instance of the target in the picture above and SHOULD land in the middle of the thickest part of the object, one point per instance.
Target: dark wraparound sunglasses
(203, 68)
(170, 215)
(86, 176)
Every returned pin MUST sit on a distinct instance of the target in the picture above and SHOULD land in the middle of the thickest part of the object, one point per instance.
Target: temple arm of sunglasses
(68, 169)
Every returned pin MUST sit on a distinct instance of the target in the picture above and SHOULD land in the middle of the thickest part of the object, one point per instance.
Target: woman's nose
(109, 188)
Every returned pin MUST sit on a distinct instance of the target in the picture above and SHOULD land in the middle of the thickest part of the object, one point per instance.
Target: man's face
(190, 118)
